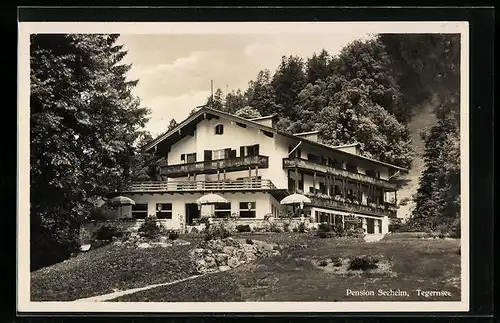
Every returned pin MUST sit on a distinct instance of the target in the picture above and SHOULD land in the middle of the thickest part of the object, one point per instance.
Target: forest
(86, 135)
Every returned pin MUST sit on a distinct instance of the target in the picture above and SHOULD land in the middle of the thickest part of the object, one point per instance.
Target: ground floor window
(222, 210)
(163, 210)
(247, 209)
(140, 211)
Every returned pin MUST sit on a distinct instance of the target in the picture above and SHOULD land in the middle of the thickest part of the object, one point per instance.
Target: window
(352, 168)
(222, 210)
(218, 154)
(163, 210)
(247, 209)
(183, 157)
(139, 211)
(191, 158)
(249, 150)
(322, 188)
(219, 129)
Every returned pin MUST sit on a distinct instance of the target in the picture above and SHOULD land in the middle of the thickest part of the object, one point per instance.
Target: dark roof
(176, 134)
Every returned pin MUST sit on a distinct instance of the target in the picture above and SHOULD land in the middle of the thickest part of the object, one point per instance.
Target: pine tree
(217, 102)
(235, 101)
(84, 122)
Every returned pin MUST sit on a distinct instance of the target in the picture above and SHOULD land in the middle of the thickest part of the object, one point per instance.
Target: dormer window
(219, 129)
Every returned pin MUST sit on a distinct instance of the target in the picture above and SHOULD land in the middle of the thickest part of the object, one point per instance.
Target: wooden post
(256, 172)
(224, 174)
(396, 197)
(296, 179)
(218, 175)
(314, 182)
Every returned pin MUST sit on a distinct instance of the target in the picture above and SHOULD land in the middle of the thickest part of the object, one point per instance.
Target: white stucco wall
(263, 203)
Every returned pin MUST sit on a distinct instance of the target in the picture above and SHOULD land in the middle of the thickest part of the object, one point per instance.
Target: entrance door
(370, 223)
(192, 213)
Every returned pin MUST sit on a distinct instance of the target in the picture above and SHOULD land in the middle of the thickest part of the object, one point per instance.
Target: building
(253, 165)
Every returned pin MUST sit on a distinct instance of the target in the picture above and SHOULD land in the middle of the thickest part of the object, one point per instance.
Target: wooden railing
(212, 166)
(179, 186)
(312, 166)
(352, 207)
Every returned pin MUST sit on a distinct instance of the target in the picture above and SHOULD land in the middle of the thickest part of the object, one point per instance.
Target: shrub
(215, 231)
(323, 234)
(336, 261)
(194, 230)
(363, 263)
(249, 241)
(404, 201)
(324, 227)
(243, 228)
(273, 227)
(358, 232)
(302, 227)
(173, 235)
(107, 232)
(339, 230)
(295, 230)
(286, 227)
(150, 228)
(322, 263)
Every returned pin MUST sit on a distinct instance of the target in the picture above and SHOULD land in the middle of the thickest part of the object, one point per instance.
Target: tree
(287, 83)
(260, 94)
(172, 124)
(248, 113)
(438, 196)
(235, 101)
(217, 102)
(351, 116)
(84, 122)
(318, 67)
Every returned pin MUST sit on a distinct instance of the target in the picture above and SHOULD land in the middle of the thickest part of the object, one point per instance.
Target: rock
(268, 247)
(221, 259)
(117, 243)
(162, 244)
(210, 262)
(233, 262)
(144, 245)
(224, 268)
(163, 239)
(229, 250)
(198, 252)
(200, 265)
(179, 242)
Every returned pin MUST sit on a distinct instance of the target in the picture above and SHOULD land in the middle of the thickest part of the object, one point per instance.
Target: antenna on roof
(212, 90)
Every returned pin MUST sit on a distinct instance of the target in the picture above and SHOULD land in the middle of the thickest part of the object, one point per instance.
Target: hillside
(422, 120)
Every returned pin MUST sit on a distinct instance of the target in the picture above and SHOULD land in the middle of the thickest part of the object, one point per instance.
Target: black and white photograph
(243, 166)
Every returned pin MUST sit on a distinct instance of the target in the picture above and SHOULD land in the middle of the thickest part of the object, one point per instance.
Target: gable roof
(204, 112)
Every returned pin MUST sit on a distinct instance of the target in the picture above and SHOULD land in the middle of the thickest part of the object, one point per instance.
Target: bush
(107, 232)
(295, 230)
(358, 232)
(249, 241)
(339, 230)
(173, 235)
(243, 228)
(324, 227)
(336, 261)
(323, 234)
(274, 228)
(286, 227)
(302, 227)
(322, 263)
(150, 228)
(363, 263)
(215, 231)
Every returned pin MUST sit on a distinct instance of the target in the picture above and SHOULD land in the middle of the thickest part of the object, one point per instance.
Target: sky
(175, 70)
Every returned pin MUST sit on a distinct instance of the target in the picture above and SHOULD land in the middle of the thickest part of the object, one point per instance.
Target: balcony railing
(312, 166)
(352, 207)
(190, 186)
(212, 166)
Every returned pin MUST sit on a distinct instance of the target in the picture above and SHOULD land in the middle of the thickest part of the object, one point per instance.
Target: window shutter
(227, 153)
(183, 157)
(208, 155)
(256, 150)
(242, 151)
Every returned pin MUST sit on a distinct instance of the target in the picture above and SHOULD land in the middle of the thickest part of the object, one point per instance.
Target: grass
(406, 263)
(109, 269)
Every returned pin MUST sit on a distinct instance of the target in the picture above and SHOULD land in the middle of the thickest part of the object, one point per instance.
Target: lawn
(408, 263)
(109, 269)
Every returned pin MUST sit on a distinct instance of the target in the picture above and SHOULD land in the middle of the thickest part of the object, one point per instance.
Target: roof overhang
(188, 126)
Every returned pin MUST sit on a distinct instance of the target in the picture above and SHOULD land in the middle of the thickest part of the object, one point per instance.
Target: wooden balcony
(309, 166)
(212, 166)
(351, 207)
(200, 186)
